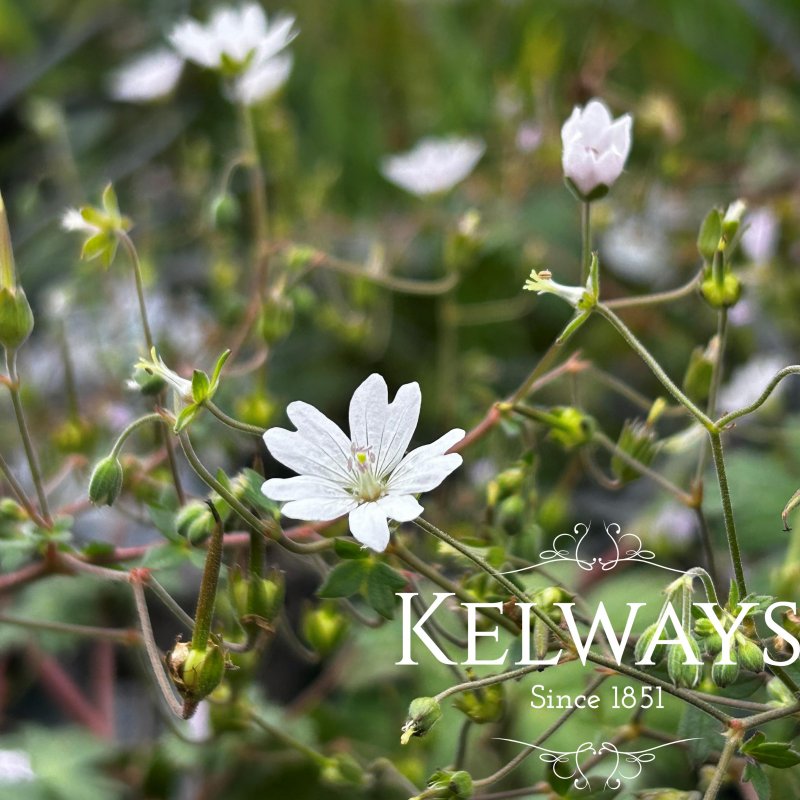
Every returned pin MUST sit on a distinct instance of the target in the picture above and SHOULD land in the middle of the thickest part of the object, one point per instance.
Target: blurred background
(713, 89)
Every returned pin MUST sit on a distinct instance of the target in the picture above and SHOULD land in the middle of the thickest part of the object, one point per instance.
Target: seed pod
(423, 714)
(105, 484)
(724, 674)
(659, 651)
(685, 675)
(751, 656)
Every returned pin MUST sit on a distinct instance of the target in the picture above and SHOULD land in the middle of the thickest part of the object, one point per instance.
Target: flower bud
(257, 599)
(750, 655)
(324, 628)
(342, 771)
(511, 515)
(276, 318)
(12, 511)
(733, 219)
(483, 705)
(781, 695)
(638, 440)
(105, 484)
(225, 210)
(195, 521)
(643, 643)
(572, 427)
(722, 294)
(196, 673)
(148, 383)
(423, 714)
(697, 379)
(685, 675)
(16, 317)
(446, 785)
(724, 674)
(510, 481)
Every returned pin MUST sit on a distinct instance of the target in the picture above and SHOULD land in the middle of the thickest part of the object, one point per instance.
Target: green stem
(208, 586)
(502, 677)
(230, 421)
(21, 494)
(731, 745)
(24, 432)
(137, 423)
(586, 241)
(727, 511)
(121, 636)
(655, 367)
(723, 422)
(280, 734)
(657, 297)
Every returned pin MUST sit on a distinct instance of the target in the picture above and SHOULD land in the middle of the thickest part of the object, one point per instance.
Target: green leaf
(165, 556)
(95, 246)
(559, 784)
(185, 417)
(200, 386)
(757, 778)
(382, 584)
(733, 595)
(164, 520)
(344, 580)
(218, 369)
(110, 203)
(253, 495)
(775, 754)
(710, 235)
(347, 549)
(704, 731)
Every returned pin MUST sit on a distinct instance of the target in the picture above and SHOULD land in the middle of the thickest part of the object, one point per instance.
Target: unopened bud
(780, 693)
(105, 484)
(721, 294)
(483, 705)
(751, 656)
(276, 319)
(196, 673)
(423, 714)
(16, 317)
(225, 210)
(571, 427)
(324, 628)
(446, 785)
(685, 675)
(341, 771)
(511, 515)
(195, 521)
(510, 481)
(643, 643)
(638, 440)
(724, 674)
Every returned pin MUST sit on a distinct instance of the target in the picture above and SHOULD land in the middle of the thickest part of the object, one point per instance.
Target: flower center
(365, 483)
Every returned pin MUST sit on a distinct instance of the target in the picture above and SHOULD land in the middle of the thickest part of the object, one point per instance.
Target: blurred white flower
(434, 164)
(637, 250)
(529, 136)
(365, 475)
(73, 220)
(148, 77)
(675, 524)
(760, 237)
(15, 767)
(748, 381)
(156, 366)
(595, 146)
(241, 44)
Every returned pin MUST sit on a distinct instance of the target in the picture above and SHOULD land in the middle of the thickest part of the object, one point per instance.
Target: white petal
(368, 524)
(621, 135)
(72, 220)
(401, 422)
(570, 130)
(305, 456)
(261, 80)
(194, 43)
(302, 487)
(318, 509)
(608, 168)
(400, 507)
(595, 119)
(313, 425)
(148, 77)
(279, 34)
(368, 411)
(426, 467)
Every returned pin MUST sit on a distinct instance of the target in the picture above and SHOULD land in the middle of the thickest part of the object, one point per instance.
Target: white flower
(242, 44)
(433, 165)
(543, 283)
(156, 366)
(73, 220)
(148, 77)
(529, 136)
(595, 146)
(760, 237)
(749, 380)
(365, 475)
(15, 767)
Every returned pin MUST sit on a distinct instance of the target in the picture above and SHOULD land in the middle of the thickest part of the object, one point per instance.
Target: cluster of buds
(257, 601)
(744, 653)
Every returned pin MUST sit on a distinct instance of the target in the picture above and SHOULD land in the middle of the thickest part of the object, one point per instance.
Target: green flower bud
(571, 427)
(685, 675)
(446, 785)
(781, 695)
(724, 294)
(257, 599)
(196, 673)
(423, 714)
(225, 210)
(643, 642)
(105, 484)
(341, 771)
(704, 627)
(710, 236)
(638, 440)
(510, 480)
(483, 705)
(255, 409)
(324, 628)
(511, 515)
(195, 521)
(276, 318)
(724, 674)
(750, 655)
(12, 511)
(16, 317)
(733, 219)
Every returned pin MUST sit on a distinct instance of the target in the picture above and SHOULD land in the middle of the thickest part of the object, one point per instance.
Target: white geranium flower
(148, 77)
(365, 475)
(156, 366)
(595, 146)
(749, 380)
(760, 237)
(243, 45)
(15, 767)
(433, 165)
